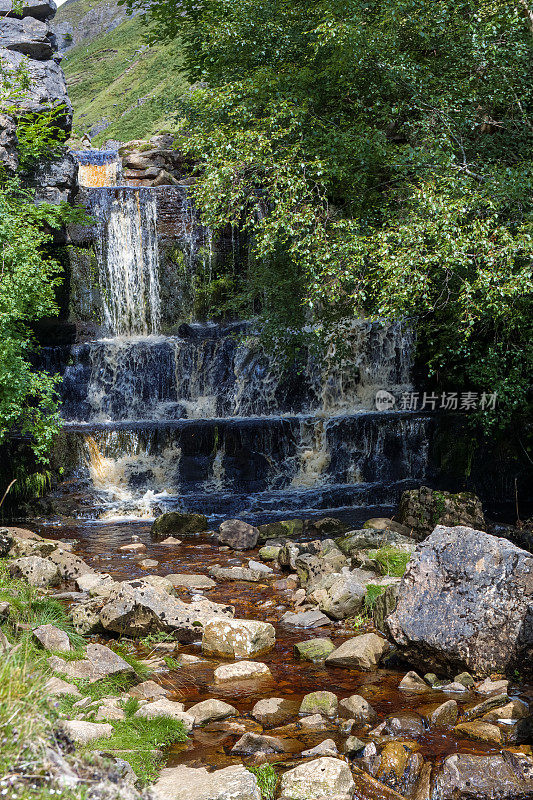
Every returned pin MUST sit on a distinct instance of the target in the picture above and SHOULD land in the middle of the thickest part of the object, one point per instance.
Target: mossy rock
(176, 524)
(314, 649)
(286, 529)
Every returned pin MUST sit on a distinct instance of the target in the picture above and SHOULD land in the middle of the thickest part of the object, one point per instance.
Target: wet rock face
(154, 162)
(466, 602)
(421, 509)
(180, 524)
(493, 776)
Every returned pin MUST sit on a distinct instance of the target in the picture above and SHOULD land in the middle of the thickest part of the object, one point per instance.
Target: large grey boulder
(485, 777)
(421, 509)
(40, 9)
(47, 88)
(322, 778)
(186, 783)
(28, 36)
(35, 570)
(238, 534)
(466, 603)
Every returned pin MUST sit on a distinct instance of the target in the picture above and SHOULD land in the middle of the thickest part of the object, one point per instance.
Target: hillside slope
(120, 88)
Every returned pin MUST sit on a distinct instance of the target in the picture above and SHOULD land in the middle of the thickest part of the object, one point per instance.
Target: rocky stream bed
(269, 651)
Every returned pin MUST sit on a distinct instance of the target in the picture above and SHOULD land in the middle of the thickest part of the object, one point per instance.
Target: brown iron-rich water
(291, 679)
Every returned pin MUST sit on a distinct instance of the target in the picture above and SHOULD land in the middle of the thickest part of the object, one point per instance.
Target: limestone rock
(101, 661)
(211, 711)
(35, 570)
(314, 649)
(54, 179)
(271, 711)
(421, 509)
(353, 745)
(29, 36)
(158, 582)
(486, 777)
(251, 743)
(90, 580)
(56, 687)
(238, 535)
(361, 652)
(340, 595)
(166, 708)
(479, 730)
(185, 783)
(40, 9)
(148, 690)
(488, 686)
(357, 708)
(235, 574)
(515, 709)
(8, 160)
(322, 778)
(109, 709)
(52, 638)
(443, 715)
(179, 524)
(237, 638)
(412, 682)
(325, 703)
(82, 732)
(241, 671)
(69, 566)
(191, 581)
(305, 619)
(325, 748)
(384, 605)
(386, 524)
(47, 87)
(465, 604)
(283, 529)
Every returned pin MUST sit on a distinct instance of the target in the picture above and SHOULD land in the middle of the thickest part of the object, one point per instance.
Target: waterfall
(128, 259)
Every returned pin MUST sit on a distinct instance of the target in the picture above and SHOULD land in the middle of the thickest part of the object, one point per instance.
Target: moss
(390, 561)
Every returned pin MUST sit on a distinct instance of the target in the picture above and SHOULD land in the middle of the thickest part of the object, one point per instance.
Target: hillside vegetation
(120, 87)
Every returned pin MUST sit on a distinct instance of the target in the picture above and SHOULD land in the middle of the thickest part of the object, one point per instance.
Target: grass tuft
(267, 780)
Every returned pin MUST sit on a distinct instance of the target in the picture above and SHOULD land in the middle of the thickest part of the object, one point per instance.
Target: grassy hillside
(117, 81)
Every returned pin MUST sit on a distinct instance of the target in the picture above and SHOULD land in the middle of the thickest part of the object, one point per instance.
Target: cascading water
(128, 259)
(205, 419)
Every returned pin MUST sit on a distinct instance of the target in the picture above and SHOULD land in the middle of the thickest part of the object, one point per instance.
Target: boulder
(52, 638)
(69, 566)
(90, 580)
(241, 671)
(166, 708)
(340, 595)
(322, 778)
(82, 732)
(211, 711)
(100, 663)
(28, 35)
(56, 687)
(412, 682)
(326, 527)
(40, 9)
(480, 730)
(515, 709)
(369, 539)
(421, 509)
(54, 179)
(466, 603)
(314, 649)
(136, 608)
(235, 574)
(483, 777)
(179, 524)
(443, 715)
(284, 529)
(238, 535)
(384, 605)
(325, 748)
(272, 711)
(186, 783)
(237, 638)
(160, 583)
(35, 570)
(251, 743)
(361, 652)
(357, 708)
(148, 690)
(325, 703)
(109, 709)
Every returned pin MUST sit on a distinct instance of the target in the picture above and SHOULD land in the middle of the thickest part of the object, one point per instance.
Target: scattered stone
(386, 524)
(56, 687)
(148, 563)
(148, 690)
(252, 743)
(273, 711)
(443, 716)
(191, 581)
(315, 722)
(490, 777)
(489, 686)
(305, 619)
(133, 547)
(285, 529)
(185, 783)
(327, 526)
(358, 709)
(322, 778)
(238, 535)
(340, 595)
(82, 732)
(406, 723)
(235, 574)
(171, 541)
(431, 679)
(69, 566)
(91, 580)
(175, 523)
(35, 570)
(269, 552)
(489, 704)
(361, 652)
(466, 679)
(384, 605)
(241, 671)
(353, 745)
(211, 711)
(481, 731)
(412, 682)
(237, 638)
(325, 748)
(166, 708)
(109, 709)
(256, 566)
(325, 703)
(452, 687)
(464, 602)
(100, 662)
(421, 509)
(516, 709)
(52, 638)
(314, 649)
(163, 584)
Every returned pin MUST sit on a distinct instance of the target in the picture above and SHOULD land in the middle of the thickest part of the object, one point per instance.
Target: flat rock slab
(191, 581)
(241, 671)
(82, 732)
(52, 638)
(57, 687)
(148, 690)
(185, 783)
(101, 661)
(271, 711)
(305, 619)
(321, 778)
(166, 708)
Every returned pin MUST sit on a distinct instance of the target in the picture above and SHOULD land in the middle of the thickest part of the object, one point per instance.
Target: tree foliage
(385, 146)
